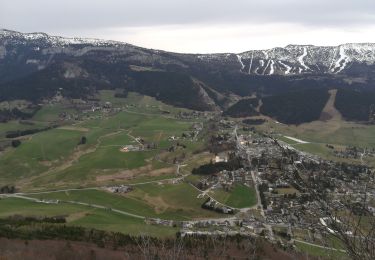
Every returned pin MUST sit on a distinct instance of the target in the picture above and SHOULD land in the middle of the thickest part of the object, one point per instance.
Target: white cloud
(198, 25)
(206, 38)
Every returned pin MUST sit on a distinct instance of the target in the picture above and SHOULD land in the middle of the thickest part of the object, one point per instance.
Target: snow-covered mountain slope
(300, 59)
(33, 66)
(25, 53)
(52, 41)
(291, 60)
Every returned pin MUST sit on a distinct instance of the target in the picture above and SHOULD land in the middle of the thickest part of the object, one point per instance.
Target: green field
(332, 132)
(50, 113)
(173, 200)
(323, 151)
(17, 125)
(138, 103)
(53, 158)
(168, 201)
(78, 215)
(240, 196)
(37, 153)
(336, 132)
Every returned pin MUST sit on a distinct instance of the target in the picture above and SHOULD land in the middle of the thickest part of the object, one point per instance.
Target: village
(295, 189)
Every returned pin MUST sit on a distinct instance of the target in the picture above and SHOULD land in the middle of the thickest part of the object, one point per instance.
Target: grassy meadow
(53, 158)
(240, 196)
(167, 201)
(85, 216)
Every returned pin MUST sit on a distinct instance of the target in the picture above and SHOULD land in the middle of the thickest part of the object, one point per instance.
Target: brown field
(329, 111)
(139, 172)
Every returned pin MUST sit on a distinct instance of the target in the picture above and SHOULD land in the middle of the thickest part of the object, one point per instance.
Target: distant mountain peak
(34, 66)
(299, 59)
(292, 59)
(56, 40)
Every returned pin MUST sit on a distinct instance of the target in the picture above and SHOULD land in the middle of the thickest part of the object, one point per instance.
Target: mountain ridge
(86, 40)
(292, 59)
(36, 66)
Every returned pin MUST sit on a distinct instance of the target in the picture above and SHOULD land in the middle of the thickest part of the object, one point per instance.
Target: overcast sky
(198, 25)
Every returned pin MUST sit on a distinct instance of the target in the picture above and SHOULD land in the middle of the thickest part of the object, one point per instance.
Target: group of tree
(18, 133)
(15, 113)
(16, 143)
(295, 107)
(232, 164)
(243, 108)
(7, 189)
(177, 89)
(257, 121)
(355, 105)
(141, 246)
(83, 140)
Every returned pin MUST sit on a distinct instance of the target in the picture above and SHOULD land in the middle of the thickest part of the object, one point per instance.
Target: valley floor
(125, 165)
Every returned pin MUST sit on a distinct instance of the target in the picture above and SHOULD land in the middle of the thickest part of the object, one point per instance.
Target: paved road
(259, 201)
(103, 207)
(20, 196)
(54, 191)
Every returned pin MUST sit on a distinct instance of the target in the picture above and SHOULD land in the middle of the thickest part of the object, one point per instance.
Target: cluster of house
(354, 152)
(196, 128)
(131, 148)
(119, 189)
(226, 124)
(226, 179)
(193, 115)
(247, 227)
(64, 116)
(211, 204)
(162, 222)
(288, 181)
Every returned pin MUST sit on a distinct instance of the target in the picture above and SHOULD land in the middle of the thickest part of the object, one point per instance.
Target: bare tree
(168, 249)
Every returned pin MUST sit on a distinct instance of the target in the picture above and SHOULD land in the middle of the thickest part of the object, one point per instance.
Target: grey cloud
(66, 15)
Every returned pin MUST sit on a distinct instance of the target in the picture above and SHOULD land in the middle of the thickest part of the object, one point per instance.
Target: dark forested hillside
(173, 88)
(35, 66)
(355, 105)
(295, 107)
(243, 108)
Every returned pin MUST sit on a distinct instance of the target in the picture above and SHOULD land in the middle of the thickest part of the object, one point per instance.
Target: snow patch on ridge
(272, 69)
(56, 41)
(268, 63)
(341, 62)
(288, 68)
(289, 60)
(240, 61)
(301, 61)
(251, 61)
(265, 54)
